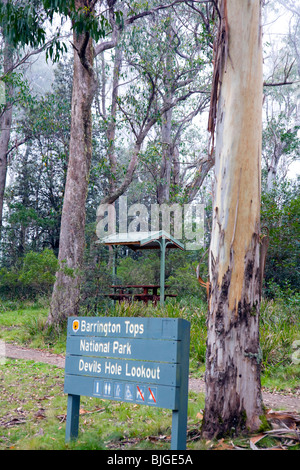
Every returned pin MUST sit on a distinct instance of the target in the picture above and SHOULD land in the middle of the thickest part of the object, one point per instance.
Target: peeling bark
(233, 392)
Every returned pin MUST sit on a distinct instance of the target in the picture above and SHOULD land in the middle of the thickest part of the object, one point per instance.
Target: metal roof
(141, 240)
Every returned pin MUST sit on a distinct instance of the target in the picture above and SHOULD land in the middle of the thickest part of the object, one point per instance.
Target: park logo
(75, 325)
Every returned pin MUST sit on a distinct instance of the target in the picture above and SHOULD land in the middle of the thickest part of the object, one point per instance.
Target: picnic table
(146, 296)
(159, 240)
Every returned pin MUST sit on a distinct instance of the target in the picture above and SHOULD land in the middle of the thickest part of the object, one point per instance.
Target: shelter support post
(162, 243)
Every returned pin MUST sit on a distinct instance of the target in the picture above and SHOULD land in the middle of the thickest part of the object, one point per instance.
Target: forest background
(150, 143)
(149, 81)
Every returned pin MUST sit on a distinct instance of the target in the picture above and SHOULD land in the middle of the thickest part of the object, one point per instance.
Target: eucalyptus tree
(5, 124)
(281, 142)
(233, 402)
(26, 24)
(21, 40)
(95, 25)
(161, 72)
(91, 20)
(183, 43)
(38, 171)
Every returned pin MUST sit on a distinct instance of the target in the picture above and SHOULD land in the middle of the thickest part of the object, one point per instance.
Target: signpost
(135, 360)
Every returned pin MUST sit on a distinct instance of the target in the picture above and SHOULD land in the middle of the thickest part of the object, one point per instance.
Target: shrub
(35, 277)
(280, 215)
(279, 329)
(184, 282)
(144, 270)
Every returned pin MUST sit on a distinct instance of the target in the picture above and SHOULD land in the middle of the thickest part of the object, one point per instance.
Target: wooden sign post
(135, 360)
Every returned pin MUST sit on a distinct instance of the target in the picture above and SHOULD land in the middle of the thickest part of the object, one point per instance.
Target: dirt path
(276, 401)
(37, 355)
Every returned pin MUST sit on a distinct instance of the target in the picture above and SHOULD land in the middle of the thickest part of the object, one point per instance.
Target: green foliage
(279, 328)
(34, 277)
(21, 95)
(144, 270)
(95, 281)
(21, 23)
(39, 269)
(34, 198)
(185, 283)
(280, 214)
(25, 23)
(180, 271)
(279, 132)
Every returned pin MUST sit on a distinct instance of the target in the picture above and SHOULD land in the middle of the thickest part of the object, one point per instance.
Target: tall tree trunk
(124, 184)
(273, 166)
(5, 128)
(163, 189)
(111, 128)
(66, 291)
(233, 392)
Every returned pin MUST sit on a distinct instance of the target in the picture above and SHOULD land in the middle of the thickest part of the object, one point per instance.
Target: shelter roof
(142, 240)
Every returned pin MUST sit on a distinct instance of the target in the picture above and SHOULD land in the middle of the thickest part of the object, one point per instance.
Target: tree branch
(17, 144)
(24, 59)
(133, 18)
(204, 167)
(281, 83)
(104, 46)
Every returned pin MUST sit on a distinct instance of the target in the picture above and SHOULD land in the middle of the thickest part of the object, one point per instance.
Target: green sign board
(135, 360)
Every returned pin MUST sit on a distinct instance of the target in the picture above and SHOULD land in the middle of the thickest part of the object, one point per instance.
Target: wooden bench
(146, 296)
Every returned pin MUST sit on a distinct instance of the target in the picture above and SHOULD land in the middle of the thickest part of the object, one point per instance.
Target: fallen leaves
(256, 439)
(40, 414)
(62, 418)
(285, 432)
(285, 418)
(162, 437)
(13, 422)
(18, 416)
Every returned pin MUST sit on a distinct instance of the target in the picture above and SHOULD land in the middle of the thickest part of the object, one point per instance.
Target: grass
(33, 404)
(33, 409)
(24, 323)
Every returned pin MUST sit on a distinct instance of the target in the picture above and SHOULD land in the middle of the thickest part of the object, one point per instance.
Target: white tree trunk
(5, 127)
(233, 394)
